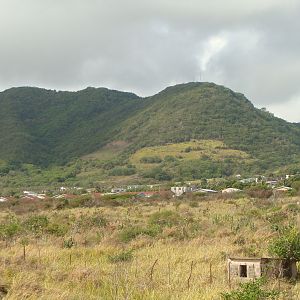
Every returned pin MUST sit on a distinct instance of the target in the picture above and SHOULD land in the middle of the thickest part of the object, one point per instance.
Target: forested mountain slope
(45, 127)
(42, 126)
(208, 111)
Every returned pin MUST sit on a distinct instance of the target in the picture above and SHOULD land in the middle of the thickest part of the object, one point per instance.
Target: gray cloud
(143, 46)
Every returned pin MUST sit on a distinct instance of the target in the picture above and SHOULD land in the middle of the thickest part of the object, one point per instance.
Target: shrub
(261, 193)
(276, 217)
(122, 171)
(95, 220)
(194, 204)
(296, 185)
(150, 160)
(118, 196)
(169, 158)
(165, 218)
(10, 228)
(57, 229)
(63, 204)
(36, 224)
(188, 149)
(293, 208)
(69, 243)
(287, 244)
(252, 290)
(128, 234)
(98, 221)
(163, 176)
(122, 256)
(240, 241)
(158, 174)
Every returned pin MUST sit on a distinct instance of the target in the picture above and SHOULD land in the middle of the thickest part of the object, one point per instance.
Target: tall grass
(184, 259)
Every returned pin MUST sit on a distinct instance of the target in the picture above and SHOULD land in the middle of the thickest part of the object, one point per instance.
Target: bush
(122, 171)
(80, 201)
(69, 243)
(251, 290)
(293, 208)
(169, 158)
(150, 160)
(95, 220)
(287, 244)
(57, 229)
(158, 174)
(10, 228)
(194, 204)
(260, 193)
(98, 221)
(62, 204)
(276, 217)
(36, 223)
(121, 257)
(165, 218)
(128, 234)
(188, 149)
(296, 185)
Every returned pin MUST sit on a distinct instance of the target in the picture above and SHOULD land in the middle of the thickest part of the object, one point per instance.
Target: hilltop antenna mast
(201, 76)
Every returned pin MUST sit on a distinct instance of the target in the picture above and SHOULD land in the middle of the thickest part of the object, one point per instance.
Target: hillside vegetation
(106, 133)
(207, 111)
(215, 150)
(41, 127)
(118, 248)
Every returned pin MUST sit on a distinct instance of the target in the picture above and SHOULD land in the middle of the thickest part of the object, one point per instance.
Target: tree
(10, 228)
(287, 244)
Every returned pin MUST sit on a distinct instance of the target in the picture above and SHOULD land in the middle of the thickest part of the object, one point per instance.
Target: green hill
(208, 111)
(46, 127)
(42, 126)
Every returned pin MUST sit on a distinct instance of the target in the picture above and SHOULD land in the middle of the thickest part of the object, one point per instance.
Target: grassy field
(195, 149)
(120, 248)
(108, 152)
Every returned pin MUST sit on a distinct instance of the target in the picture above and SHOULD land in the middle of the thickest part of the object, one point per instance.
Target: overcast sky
(251, 46)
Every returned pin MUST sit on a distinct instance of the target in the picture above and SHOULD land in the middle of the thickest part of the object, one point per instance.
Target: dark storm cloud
(143, 46)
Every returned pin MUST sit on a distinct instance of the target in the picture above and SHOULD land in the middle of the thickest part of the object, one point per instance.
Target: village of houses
(237, 268)
(154, 190)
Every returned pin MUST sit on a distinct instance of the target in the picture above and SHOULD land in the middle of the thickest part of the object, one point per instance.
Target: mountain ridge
(42, 126)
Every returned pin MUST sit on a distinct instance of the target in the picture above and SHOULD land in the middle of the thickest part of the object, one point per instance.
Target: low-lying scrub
(148, 249)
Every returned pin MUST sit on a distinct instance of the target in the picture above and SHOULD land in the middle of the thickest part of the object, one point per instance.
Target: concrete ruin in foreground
(251, 268)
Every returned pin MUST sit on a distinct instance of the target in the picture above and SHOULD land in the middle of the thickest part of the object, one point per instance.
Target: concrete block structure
(251, 268)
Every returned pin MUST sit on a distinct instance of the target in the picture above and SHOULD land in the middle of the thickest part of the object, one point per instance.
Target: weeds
(123, 256)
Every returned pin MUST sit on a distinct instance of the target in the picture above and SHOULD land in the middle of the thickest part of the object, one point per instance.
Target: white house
(180, 190)
(32, 195)
(230, 190)
(118, 190)
(283, 189)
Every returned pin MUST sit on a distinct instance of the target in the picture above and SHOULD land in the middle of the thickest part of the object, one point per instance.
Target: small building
(248, 180)
(230, 190)
(118, 190)
(180, 190)
(206, 191)
(272, 183)
(62, 189)
(283, 189)
(250, 268)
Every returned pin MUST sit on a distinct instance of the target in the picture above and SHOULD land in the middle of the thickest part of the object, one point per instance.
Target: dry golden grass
(108, 152)
(216, 150)
(85, 271)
